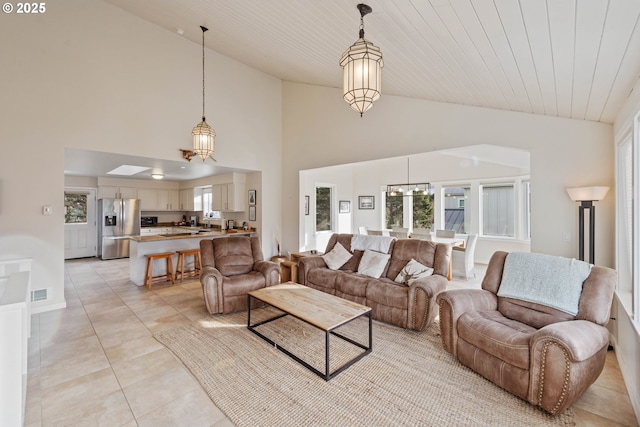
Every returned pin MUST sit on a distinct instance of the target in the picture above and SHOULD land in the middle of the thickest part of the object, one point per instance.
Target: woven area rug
(408, 379)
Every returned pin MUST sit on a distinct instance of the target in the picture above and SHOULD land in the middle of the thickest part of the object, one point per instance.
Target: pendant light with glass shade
(361, 68)
(203, 134)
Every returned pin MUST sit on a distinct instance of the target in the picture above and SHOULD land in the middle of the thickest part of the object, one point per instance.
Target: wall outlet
(46, 210)
(566, 236)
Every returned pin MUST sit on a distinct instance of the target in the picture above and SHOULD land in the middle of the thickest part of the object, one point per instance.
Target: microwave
(148, 221)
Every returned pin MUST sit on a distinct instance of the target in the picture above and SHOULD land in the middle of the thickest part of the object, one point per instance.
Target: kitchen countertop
(190, 233)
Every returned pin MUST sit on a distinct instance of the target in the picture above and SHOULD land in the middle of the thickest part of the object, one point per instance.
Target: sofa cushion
(337, 257)
(233, 255)
(242, 284)
(373, 263)
(497, 335)
(388, 293)
(412, 272)
(322, 277)
(352, 284)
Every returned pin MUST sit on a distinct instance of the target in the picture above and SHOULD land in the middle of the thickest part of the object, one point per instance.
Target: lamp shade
(584, 194)
(203, 140)
(361, 68)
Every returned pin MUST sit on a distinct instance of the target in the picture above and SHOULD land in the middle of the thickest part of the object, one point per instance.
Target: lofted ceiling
(568, 58)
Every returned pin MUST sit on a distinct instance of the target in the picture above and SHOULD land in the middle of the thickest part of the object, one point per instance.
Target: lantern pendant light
(361, 68)
(203, 134)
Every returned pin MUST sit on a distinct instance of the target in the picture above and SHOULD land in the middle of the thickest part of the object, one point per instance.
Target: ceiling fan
(190, 154)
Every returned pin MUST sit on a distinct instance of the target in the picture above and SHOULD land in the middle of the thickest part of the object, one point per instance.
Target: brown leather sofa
(545, 356)
(231, 268)
(411, 307)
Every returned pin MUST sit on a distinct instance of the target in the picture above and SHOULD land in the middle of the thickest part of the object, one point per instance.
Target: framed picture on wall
(344, 206)
(252, 197)
(252, 213)
(366, 202)
(306, 205)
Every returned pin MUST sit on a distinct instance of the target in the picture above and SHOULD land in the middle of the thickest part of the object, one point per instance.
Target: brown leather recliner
(231, 268)
(542, 355)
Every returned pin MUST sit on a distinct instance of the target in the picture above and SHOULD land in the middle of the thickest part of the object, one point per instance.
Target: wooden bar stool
(148, 276)
(197, 264)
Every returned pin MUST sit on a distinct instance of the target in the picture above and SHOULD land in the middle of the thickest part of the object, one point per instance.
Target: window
(627, 287)
(498, 217)
(324, 212)
(75, 206)
(422, 210)
(394, 211)
(456, 217)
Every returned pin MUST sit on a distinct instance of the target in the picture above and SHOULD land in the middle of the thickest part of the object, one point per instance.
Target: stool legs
(148, 277)
(197, 264)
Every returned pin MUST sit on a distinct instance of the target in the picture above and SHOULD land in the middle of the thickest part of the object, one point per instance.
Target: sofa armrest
(422, 308)
(270, 270)
(566, 358)
(307, 263)
(211, 280)
(454, 303)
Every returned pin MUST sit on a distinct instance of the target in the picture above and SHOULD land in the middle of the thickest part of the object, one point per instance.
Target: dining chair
(421, 231)
(462, 257)
(374, 232)
(363, 230)
(445, 233)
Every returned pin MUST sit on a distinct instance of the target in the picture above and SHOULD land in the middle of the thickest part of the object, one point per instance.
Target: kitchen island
(189, 239)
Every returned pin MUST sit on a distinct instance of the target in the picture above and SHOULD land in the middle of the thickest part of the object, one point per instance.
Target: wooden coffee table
(321, 310)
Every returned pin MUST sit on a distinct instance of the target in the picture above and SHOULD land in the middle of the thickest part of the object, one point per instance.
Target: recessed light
(180, 31)
(157, 175)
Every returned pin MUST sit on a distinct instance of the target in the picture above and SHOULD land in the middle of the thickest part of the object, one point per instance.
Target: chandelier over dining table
(408, 188)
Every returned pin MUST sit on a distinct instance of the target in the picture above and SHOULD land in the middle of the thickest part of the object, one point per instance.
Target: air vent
(38, 295)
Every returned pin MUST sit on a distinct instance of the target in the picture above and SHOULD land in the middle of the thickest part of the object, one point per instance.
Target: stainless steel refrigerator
(119, 219)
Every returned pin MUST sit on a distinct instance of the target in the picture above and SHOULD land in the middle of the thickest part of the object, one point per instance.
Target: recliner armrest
(306, 264)
(211, 280)
(565, 359)
(270, 270)
(422, 308)
(581, 338)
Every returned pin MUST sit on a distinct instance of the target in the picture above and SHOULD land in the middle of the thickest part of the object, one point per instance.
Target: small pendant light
(203, 134)
(361, 68)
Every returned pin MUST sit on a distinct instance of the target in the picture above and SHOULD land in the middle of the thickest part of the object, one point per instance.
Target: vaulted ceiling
(567, 58)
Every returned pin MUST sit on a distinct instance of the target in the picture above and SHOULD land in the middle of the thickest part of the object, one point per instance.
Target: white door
(80, 229)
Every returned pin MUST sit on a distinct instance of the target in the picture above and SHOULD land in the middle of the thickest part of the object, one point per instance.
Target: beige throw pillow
(337, 257)
(373, 263)
(412, 272)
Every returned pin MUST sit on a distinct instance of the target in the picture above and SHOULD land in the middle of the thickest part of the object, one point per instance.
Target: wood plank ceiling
(569, 58)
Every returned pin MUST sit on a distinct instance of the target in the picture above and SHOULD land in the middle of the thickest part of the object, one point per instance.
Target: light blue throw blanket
(544, 279)
(361, 242)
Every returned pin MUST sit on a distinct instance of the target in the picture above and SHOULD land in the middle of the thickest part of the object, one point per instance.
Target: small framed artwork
(252, 197)
(252, 213)
(344, 206)
(306, 205)
(366, 202)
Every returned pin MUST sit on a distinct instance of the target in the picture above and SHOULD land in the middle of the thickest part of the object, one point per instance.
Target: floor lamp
(586, 196)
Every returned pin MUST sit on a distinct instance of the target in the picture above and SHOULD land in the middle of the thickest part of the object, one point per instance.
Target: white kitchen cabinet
(149, 199)
(228, 197)
(186, 199)
(153, 199)
(169, 200)
(115, 192)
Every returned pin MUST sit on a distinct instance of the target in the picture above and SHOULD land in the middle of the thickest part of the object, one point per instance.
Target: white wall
(319, 129)
(88, 75)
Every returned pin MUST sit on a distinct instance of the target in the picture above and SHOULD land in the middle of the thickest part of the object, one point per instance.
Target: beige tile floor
(96, 362)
